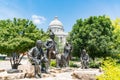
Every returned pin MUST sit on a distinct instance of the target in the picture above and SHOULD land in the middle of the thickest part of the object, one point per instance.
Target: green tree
(94, 34)
(116, 33)
(18, 36)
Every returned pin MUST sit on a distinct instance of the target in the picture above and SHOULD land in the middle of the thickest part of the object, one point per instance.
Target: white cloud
(38, 19)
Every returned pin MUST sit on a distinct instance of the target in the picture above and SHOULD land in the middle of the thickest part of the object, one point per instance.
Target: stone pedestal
(81, 76)
(86, 74)
(27, 69)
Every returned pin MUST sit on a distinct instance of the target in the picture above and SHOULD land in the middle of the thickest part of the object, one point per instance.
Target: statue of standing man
(51, 46)
(67, 51)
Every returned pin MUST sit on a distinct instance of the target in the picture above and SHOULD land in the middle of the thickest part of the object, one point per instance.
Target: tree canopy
(18, 35)
(94, 34)
(116, 33)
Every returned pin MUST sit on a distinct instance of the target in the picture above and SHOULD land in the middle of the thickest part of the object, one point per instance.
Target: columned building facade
(57, 27)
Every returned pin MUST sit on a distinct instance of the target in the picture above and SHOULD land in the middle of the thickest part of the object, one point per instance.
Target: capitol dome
(55, 23)
(57, 27)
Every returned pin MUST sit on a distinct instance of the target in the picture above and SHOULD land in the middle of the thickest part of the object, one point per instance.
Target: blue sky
(42, 12)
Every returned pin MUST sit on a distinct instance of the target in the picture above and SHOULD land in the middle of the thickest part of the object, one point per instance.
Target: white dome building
(57, 27)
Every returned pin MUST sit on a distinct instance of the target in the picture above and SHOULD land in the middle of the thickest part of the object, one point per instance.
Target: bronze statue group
(37, 56)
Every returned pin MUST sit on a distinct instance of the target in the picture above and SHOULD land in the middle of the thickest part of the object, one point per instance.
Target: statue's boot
(38, 76)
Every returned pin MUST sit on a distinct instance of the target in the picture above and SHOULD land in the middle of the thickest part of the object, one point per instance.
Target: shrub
(53, 63)
(75, 59)
(94, 65)
(72, 64)
(111, 70)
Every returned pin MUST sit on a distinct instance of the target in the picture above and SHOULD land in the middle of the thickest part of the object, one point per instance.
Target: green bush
(115, 56)
(111, 70)
(94, 65)
(53, 63)
(72, 64)
(75, 59)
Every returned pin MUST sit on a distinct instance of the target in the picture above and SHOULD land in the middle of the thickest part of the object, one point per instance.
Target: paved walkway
(5, 65)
